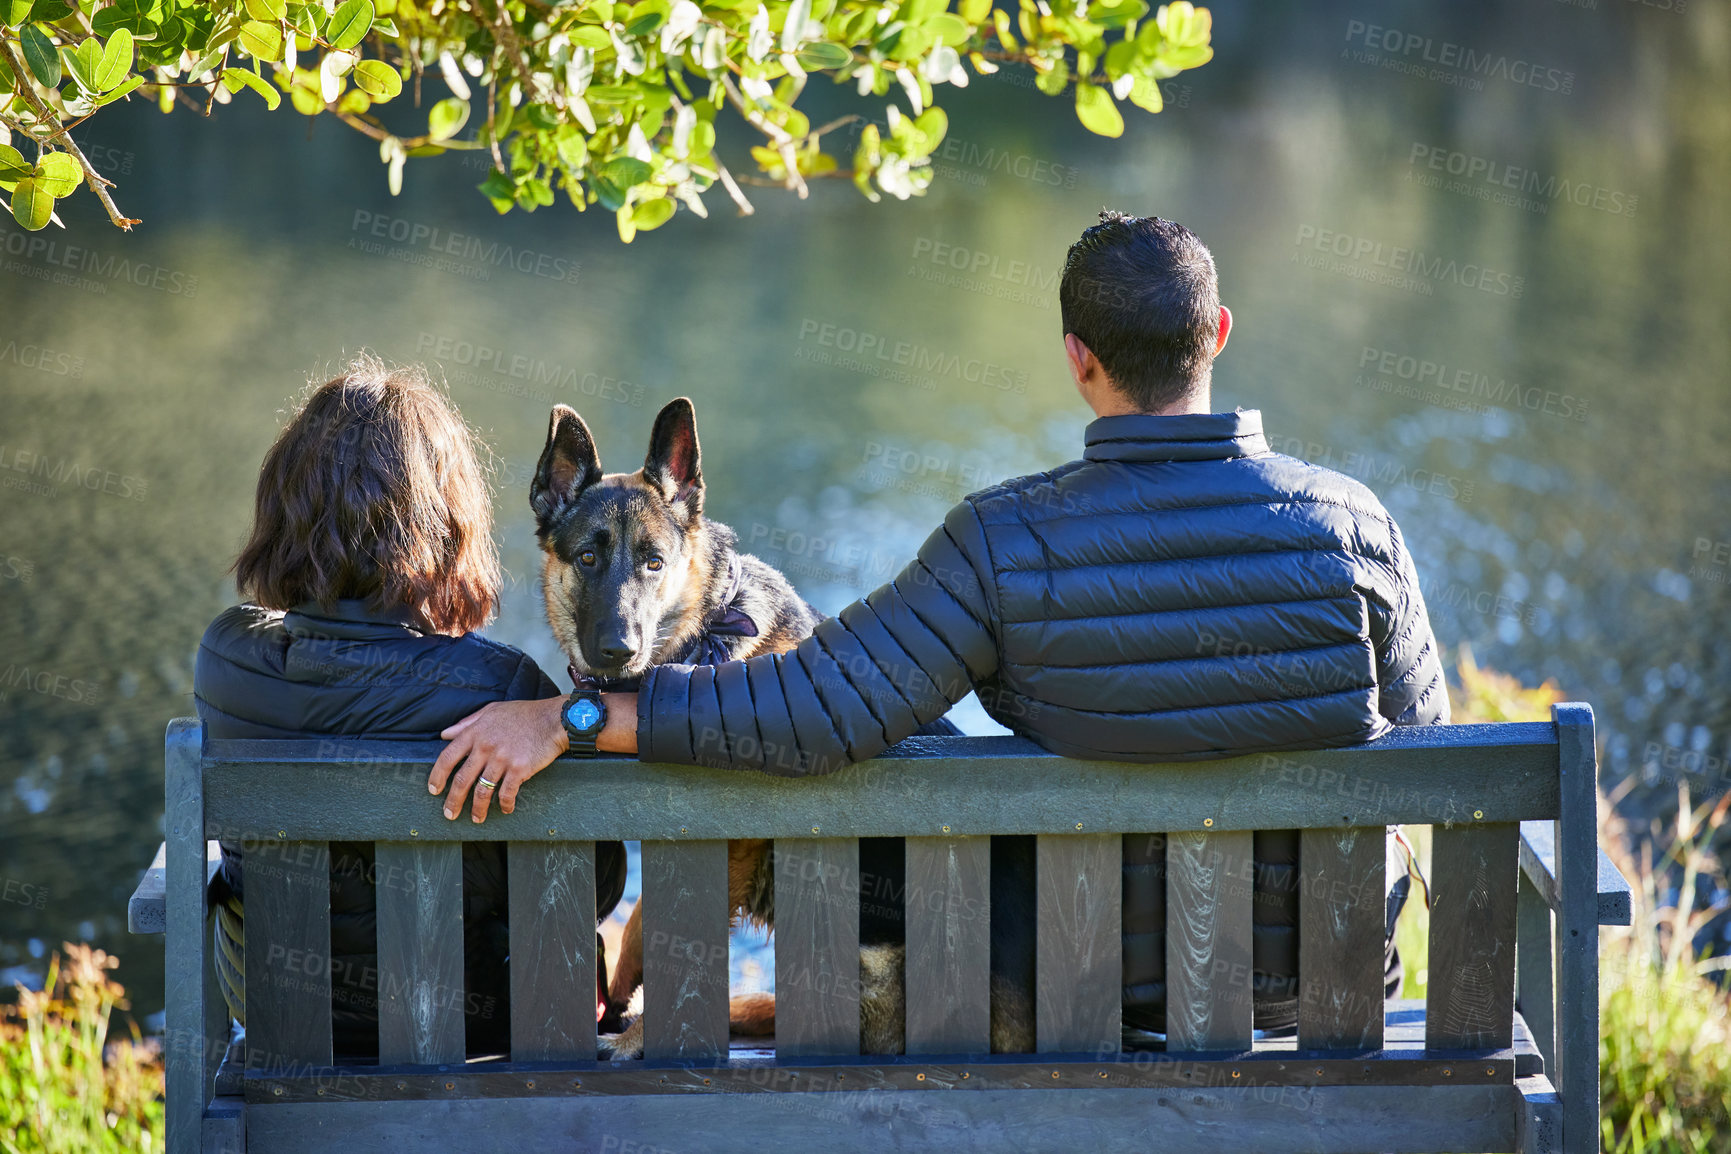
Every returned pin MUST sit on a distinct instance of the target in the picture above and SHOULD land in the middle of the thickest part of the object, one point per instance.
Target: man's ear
(1080, 357)
(674, 465)
(569, 464)
(1225, 329)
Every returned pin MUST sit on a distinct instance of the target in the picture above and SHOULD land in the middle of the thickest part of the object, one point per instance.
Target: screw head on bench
(1209, 822)
(1078, 825)
(1448, 1073)
(1490, 1071)
(551, 831)
(1478, 815)
(277, 1090)
(282, 833)
(1054, 1073)
(414, 833)
(814, 829)
(919, 1077)
(529, 1085)
(946, 829)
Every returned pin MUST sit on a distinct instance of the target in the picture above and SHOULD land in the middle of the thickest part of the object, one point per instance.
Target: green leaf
(589, 36)
(974, 11)
(919, 11)
(949, 29)
(50, 11)
(1052, 81)
(116, 63)
(83, 62)
(58, 174)
(378, 79)
(652, 214)
(793, 31)
(932, 124)
(350, 23)
(261, 41)
(13, 166)
(1145, 93)
(447, 117)
(110, 97)
(387, 28)
(625, 171)
(821, 55)
(31, 206)
(266, 10)
(14, 13)
(40, 55)
(1097, 111)
(235, 78)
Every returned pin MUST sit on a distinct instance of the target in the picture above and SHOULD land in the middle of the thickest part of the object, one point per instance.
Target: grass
(64, 1087)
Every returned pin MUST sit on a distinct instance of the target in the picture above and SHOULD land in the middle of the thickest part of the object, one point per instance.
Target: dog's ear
(569, 465)
(673, 465)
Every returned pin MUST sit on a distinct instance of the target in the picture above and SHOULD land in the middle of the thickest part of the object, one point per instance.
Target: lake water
(1498, 294)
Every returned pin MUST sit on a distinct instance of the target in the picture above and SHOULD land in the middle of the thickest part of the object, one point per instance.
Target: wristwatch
(583, 715)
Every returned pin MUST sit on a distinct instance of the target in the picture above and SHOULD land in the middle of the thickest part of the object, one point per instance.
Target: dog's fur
(615, 617)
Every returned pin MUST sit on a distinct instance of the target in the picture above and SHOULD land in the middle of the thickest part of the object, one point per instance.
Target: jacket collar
(352, 620)
(1188, 437)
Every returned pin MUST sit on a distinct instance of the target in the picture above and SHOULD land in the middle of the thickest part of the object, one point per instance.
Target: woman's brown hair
(373, 490)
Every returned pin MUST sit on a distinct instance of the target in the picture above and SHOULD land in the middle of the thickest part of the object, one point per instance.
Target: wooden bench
(1462, 1071)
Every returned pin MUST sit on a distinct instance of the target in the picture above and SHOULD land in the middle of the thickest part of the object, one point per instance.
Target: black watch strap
(583, 715)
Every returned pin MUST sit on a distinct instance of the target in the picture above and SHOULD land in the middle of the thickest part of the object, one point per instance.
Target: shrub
(63, 1085)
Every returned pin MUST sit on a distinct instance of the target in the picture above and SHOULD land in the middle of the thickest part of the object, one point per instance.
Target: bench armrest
(147, 910)
(1539, 860)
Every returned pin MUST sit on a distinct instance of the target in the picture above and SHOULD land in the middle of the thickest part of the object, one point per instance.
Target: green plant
(64, 1087)
(1664, 1023)
(609, 103)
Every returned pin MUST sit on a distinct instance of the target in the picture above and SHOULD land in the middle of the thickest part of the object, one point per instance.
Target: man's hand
(500, 746)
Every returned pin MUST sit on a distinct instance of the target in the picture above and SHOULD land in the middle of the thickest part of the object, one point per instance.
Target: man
(1180, 592)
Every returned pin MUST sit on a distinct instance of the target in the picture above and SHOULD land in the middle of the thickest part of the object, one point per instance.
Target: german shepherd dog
(634, 576)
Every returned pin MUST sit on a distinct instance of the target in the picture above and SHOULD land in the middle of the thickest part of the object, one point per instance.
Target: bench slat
(1577, 937)
(288, 953)
(817, 946)
(1470, 1004)
(685, 918)
(949, 894)
(1210, 891)
(420, 938)
(552, 919)
(997, 785)
(1340, 938)
(1078, 995)
(1535, 974)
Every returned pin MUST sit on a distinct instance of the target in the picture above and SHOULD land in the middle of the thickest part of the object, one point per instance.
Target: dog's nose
(616, 651)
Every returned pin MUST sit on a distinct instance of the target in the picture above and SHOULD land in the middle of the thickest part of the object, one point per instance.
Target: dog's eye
(587, 557)
(654, 564)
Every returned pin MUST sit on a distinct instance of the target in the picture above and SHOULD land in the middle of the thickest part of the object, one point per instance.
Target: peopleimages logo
(1469, 384)
(479, 254)
(1492, 180)
(1399, 259)
(1410, 52)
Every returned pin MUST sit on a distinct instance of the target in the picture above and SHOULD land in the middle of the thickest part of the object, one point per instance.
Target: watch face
(583, 715)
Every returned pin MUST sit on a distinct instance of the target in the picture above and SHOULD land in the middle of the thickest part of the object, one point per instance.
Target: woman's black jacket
(344, 670)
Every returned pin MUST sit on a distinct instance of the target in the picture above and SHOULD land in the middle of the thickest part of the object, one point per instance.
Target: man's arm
(891, 662)
(1409, 670)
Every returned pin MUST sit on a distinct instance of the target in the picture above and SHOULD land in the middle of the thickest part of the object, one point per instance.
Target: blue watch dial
(583, 715)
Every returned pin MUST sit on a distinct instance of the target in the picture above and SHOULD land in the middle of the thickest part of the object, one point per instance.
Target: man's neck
(1116, 404)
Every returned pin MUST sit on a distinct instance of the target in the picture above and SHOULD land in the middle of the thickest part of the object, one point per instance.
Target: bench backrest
(285, 801)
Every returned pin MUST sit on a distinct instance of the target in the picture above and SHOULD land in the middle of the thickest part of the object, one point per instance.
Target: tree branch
(46, 115)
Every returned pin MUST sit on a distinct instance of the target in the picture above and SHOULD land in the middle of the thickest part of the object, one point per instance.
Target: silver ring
(488, 784)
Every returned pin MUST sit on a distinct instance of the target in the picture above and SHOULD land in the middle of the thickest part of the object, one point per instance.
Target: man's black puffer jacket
(346, 671)
(1179, 593)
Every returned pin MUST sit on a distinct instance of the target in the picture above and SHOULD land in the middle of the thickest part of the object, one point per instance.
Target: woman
(371, 562)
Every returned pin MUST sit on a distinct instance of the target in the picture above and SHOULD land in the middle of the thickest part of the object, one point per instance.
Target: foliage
(611, 103)
(63, 1085)
(1664, 1022)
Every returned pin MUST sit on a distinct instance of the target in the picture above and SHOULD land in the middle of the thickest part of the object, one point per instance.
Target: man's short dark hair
(1141, 293)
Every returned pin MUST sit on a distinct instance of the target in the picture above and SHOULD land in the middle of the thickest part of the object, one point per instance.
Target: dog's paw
(625, 1046)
